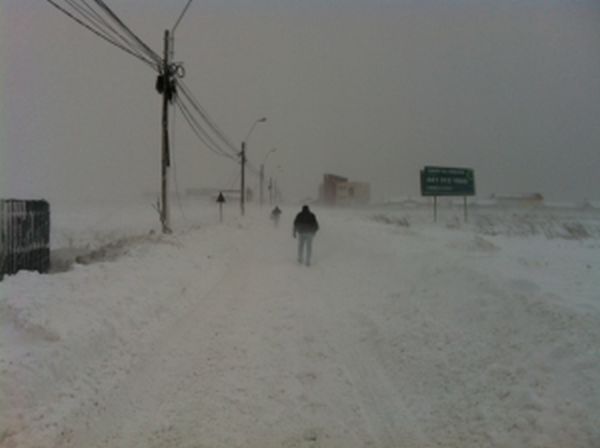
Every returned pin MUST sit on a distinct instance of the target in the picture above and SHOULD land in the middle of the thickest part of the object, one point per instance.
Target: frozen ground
(403, 333)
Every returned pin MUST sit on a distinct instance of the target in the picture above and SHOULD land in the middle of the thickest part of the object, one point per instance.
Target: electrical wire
(89, 13)
(145, 49)
(198, 108)
(233, 153)
(104, 36)
(181, 16)
(209, 121)
(199, 131)
(151, 53)
(196, 105)
(122, 37)
(101, 22)
(94, 21)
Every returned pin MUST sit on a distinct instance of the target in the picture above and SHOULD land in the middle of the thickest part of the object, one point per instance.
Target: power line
(94, 21)
(101, 22)
(89, 13)
(215, 142)
(102, 34)
(181, 16)
(151, 53)
(97, 17)
(199, 131)
(209, 121)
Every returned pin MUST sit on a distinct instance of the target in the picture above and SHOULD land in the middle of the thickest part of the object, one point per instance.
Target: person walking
(305, 226)
(275, 215)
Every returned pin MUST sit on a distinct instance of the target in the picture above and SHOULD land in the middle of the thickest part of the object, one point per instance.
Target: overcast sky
(373, 90)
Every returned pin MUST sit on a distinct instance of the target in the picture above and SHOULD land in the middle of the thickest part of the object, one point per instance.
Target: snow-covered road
(395, 337)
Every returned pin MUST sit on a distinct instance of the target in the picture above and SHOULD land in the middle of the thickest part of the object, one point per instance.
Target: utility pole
(262, 181)
(165, 158)
(270, 191)
(94, 21)
(243, 163)
(262, 175)
(166, 86)
(243, 185)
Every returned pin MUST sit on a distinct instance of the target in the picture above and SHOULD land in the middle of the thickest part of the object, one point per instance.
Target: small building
(353, 193)
(528, 199)
(339, 190)
(328, 189)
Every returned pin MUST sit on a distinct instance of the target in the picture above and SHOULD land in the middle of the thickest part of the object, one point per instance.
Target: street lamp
(243, 157)
(262, 175)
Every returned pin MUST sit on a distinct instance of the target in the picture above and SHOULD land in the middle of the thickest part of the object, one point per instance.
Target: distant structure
(328, 189)
(519, 199)
(338, 190)
(24, 236)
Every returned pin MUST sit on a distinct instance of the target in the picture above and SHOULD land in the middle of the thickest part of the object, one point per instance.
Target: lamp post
(243, 157)
(262, 175)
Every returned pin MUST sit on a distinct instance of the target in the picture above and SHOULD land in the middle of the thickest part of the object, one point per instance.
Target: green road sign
(442, 181)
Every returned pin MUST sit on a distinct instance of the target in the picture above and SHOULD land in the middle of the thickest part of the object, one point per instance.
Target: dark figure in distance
(305, 225)
(275, 214)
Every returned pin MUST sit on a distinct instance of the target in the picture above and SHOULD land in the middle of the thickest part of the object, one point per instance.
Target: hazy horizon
(372, 91)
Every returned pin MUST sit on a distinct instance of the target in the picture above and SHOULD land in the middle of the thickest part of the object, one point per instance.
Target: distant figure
(275, 214)
(221, 201)
(305, 225)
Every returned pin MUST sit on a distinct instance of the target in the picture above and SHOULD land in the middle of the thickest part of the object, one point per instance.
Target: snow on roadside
(514, 320)
(96, 318)
(478, 338)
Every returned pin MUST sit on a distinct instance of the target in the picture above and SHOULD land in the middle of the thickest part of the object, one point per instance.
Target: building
(529, 199)
(328, 189)
(353, 193)
(338, 190)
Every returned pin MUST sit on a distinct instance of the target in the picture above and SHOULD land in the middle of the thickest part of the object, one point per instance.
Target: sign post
(445, 181)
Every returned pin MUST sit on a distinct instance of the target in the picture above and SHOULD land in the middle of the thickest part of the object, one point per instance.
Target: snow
(403, 332)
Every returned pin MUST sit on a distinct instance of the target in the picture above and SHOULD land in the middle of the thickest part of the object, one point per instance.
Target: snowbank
(403, 333)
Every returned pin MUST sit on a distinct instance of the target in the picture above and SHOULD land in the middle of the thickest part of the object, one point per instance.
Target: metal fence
(24, 236)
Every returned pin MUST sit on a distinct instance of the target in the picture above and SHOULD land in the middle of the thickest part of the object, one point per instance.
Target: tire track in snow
(381, 416)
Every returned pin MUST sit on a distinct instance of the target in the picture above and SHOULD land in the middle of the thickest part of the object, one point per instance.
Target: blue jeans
(305, 245)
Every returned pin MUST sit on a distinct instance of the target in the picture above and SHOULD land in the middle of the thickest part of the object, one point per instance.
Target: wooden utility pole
(262, 182)
(165, 158)
(243, 157)
(243, 184)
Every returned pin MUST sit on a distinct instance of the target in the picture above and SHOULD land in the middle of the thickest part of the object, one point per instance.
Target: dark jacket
(306, 222)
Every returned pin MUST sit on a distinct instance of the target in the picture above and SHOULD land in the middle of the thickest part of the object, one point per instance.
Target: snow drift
(403, 333)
